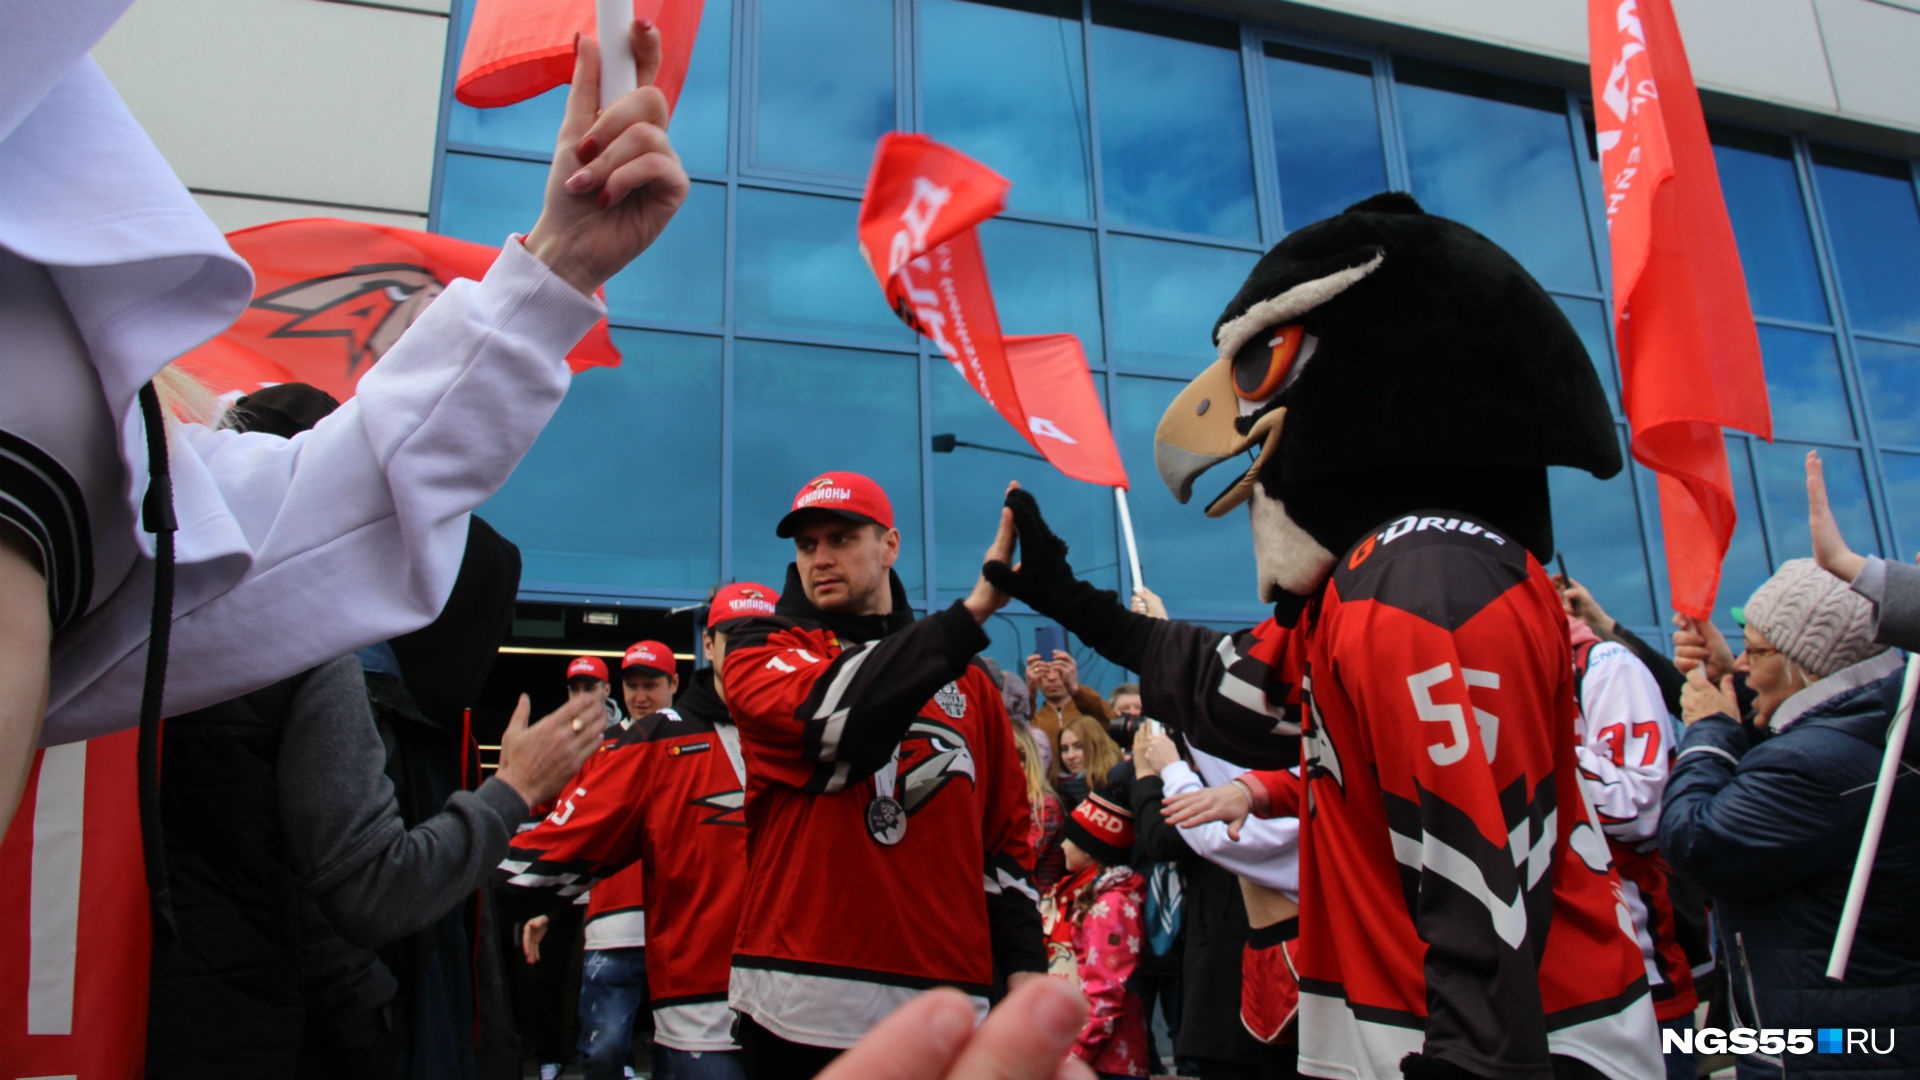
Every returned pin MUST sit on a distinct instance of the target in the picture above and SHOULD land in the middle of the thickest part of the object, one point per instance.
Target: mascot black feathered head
(1384, 361)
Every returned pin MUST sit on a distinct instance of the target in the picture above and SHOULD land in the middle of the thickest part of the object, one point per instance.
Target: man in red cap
(886, 808)
(649, 677)
(587, 677)
(613, 969)
(663, 797)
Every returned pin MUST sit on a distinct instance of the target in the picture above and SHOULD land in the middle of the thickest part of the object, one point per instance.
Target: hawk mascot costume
(1403, 385)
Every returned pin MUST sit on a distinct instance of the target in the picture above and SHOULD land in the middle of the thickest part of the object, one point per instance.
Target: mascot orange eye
(1262, 365)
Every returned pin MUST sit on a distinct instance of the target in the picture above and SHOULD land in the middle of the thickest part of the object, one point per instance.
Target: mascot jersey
(1455, 899)
(887, 819)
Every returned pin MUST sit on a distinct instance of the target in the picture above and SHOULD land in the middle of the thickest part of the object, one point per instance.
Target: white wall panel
(291, 99)
(1768, 50)
(230, 213)
(1875, 52)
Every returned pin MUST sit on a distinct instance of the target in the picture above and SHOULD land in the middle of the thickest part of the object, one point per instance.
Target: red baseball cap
(650, 655)
(740, 600)
(586, 667)
(848, 494)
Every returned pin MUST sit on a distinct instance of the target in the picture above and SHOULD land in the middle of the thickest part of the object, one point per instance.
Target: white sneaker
(630, 1073)
(550, 1071)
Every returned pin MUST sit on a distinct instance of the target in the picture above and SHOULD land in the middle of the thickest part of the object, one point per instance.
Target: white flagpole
(612, 18)
(1126, 530)
(1876, 821)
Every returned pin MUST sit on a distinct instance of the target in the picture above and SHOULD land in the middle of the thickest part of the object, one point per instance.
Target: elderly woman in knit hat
(1766, 816)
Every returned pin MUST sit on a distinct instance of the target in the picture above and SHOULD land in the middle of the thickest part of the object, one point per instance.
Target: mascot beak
(1198, 431)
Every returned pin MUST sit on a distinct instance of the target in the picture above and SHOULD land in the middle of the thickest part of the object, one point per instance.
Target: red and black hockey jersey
(1456, 896)
(852, 905)
(666, 792)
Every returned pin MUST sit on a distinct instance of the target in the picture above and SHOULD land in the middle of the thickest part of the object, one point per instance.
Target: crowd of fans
(774, 853)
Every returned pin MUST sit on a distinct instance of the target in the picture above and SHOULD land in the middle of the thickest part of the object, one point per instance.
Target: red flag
(517, 49)
(917, 222)
(1688, 347)
(330, 297)
(73, 917)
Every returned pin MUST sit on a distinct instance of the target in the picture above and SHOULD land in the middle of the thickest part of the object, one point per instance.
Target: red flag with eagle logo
(330, 297)
(917, 222)
(517, 49)
(1688, 348)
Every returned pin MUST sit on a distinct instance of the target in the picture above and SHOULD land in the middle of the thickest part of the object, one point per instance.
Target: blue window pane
(679, 279)
(1746, 565)
(1596, 527)
(825, 88)
(1326, 133)
(1803, 385)
(532, 125)
(1875, 228)
(1196, 563)
(1770, 225)
(1890, 383)
(682, 277)
(574, 506)
(700, 119)
(487, 199)
(1174, 149)
(1902, 481)
(969, 485)
(799, 411)
(1166, 298)
(1589, 319)
(1783, 482)
(1495, 154)
(799, 268)
(1044, 281)
(699, 125)
(1028, 119)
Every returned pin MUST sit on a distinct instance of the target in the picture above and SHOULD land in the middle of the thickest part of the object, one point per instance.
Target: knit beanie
(1814, 618)
(1102, 826)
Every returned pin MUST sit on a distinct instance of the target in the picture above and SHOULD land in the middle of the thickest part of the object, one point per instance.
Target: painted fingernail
(606, 198)
(644, 24)
(580, 182)
(588, 149)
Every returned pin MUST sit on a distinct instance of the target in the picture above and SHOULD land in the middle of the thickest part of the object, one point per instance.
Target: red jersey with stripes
(888, 822)
(1456, 896)
(664, 796)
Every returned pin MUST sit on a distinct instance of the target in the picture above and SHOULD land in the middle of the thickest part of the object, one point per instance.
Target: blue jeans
(613, 990)
(671, 1064)
(1680, 1066)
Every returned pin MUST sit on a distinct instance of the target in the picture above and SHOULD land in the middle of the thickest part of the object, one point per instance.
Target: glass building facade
(1154, 156)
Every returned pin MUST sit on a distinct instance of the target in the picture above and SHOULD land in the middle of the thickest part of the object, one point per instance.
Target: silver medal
(886, 820)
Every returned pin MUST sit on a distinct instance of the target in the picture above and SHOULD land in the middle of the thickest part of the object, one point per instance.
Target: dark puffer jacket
(1770, 828)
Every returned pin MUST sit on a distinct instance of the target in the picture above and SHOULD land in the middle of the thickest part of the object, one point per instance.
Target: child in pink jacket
(1097, 929)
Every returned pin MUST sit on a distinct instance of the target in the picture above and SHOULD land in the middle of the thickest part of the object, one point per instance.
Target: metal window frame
(742, 172)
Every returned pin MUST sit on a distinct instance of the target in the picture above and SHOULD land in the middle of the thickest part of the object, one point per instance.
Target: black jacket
(1770, 829)
(1214, 924)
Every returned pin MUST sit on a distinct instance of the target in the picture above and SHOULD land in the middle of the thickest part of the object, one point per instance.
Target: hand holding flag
(615, 181)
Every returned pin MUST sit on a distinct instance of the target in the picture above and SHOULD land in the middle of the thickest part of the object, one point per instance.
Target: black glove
(1045, 582)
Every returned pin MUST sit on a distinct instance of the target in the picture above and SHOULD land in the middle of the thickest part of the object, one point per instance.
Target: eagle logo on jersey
(731, 805)
(930, 755)
(368, 306)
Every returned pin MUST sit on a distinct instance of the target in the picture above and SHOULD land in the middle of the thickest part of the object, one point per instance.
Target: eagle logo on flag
(369, 307)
